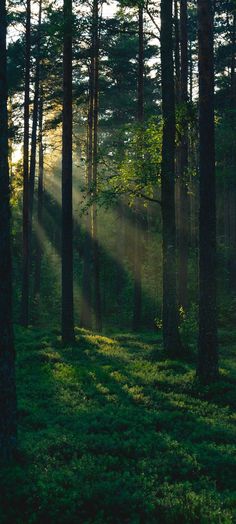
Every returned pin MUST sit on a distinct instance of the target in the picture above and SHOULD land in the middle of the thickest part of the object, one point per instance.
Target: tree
(8, 422)
(207, 370)
(67, 215)
(171, 338)
(38, 254)
(183, 235)
(86, 307)
(26, 268)
(137, 313)
(96, 255)
(232, 188)
(34, 123)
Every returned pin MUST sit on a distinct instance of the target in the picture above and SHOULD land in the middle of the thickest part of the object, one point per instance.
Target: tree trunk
(177, 50)
(25, 278)
(137, 312)
(86, 306)
(190, 71)
(183, 237)
(208, 347)
(96, 254)
(67, 213)
(8, 416)
(34, 126)
(171, 338)
(38, 255)
(232, 188)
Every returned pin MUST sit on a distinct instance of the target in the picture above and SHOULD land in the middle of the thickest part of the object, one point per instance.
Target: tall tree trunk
(120, 252)
(208, 347)
(34, 125)
(67, 213)
(190, 71)
(177, 99)
(183, 236)
(232, 188)
(25, 278)
(177, 50)
(96, 254)
(86, 317)
(38, 254)
(8, 416)
(137, 312)
(171, 338)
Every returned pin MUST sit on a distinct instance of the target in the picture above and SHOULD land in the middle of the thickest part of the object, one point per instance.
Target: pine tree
(67, 214)
(208, 347)
(8, 416)
(26, 269)
(171, 338)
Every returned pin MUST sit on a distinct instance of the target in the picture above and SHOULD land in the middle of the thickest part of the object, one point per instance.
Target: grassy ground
(111, 432)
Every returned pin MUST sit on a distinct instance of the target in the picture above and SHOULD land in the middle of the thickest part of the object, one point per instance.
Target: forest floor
(111, 432)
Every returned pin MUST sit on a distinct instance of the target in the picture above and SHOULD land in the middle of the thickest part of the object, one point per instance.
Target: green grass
(110, 432)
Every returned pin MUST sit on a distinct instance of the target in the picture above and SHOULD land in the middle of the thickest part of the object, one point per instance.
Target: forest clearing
(112, 431)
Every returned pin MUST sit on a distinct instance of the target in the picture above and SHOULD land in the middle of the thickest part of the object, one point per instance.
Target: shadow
(116, 276)
(105, 433)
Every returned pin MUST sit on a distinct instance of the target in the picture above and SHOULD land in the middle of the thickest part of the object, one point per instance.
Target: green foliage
(111, 432)
(137, 173)
(189, 326)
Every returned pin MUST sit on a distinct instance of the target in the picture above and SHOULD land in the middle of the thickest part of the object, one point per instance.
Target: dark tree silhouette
(67, 217)
(8, 425)
(26, 265)
(208, 347)
(38, 253)
(171, 338)
(96, 254)
(183, 168)
(137, 313)
(34, 124)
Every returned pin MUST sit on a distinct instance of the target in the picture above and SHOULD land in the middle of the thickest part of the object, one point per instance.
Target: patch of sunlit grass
(109, 435)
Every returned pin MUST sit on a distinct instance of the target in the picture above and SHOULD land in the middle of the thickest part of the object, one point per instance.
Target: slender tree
(177, 50)
(35, 122)
(67, 213)
(96, 255)
(38, 254)
(25, 276)
(208, 347)
(183, 236)
(232, 188)
(86, 309)
(8, 422)
(137, 313)
(171, 338)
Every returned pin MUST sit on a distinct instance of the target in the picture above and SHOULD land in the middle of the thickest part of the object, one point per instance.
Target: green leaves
(137, 172)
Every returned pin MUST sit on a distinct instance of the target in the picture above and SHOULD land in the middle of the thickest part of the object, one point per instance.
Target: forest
(117, 261)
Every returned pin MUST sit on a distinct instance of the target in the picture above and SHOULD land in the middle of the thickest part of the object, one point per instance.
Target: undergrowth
(111, 432)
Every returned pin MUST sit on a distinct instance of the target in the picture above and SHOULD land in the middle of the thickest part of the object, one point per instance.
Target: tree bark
(8, 415)
(86, 317)
(67, 326)
(137, 312)
(177, 50)
(207, 369)
(96, 254)
(38, 254)
(183, 237)
(24, 320)
(232, 188)
(171, 338)
(34, 125)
